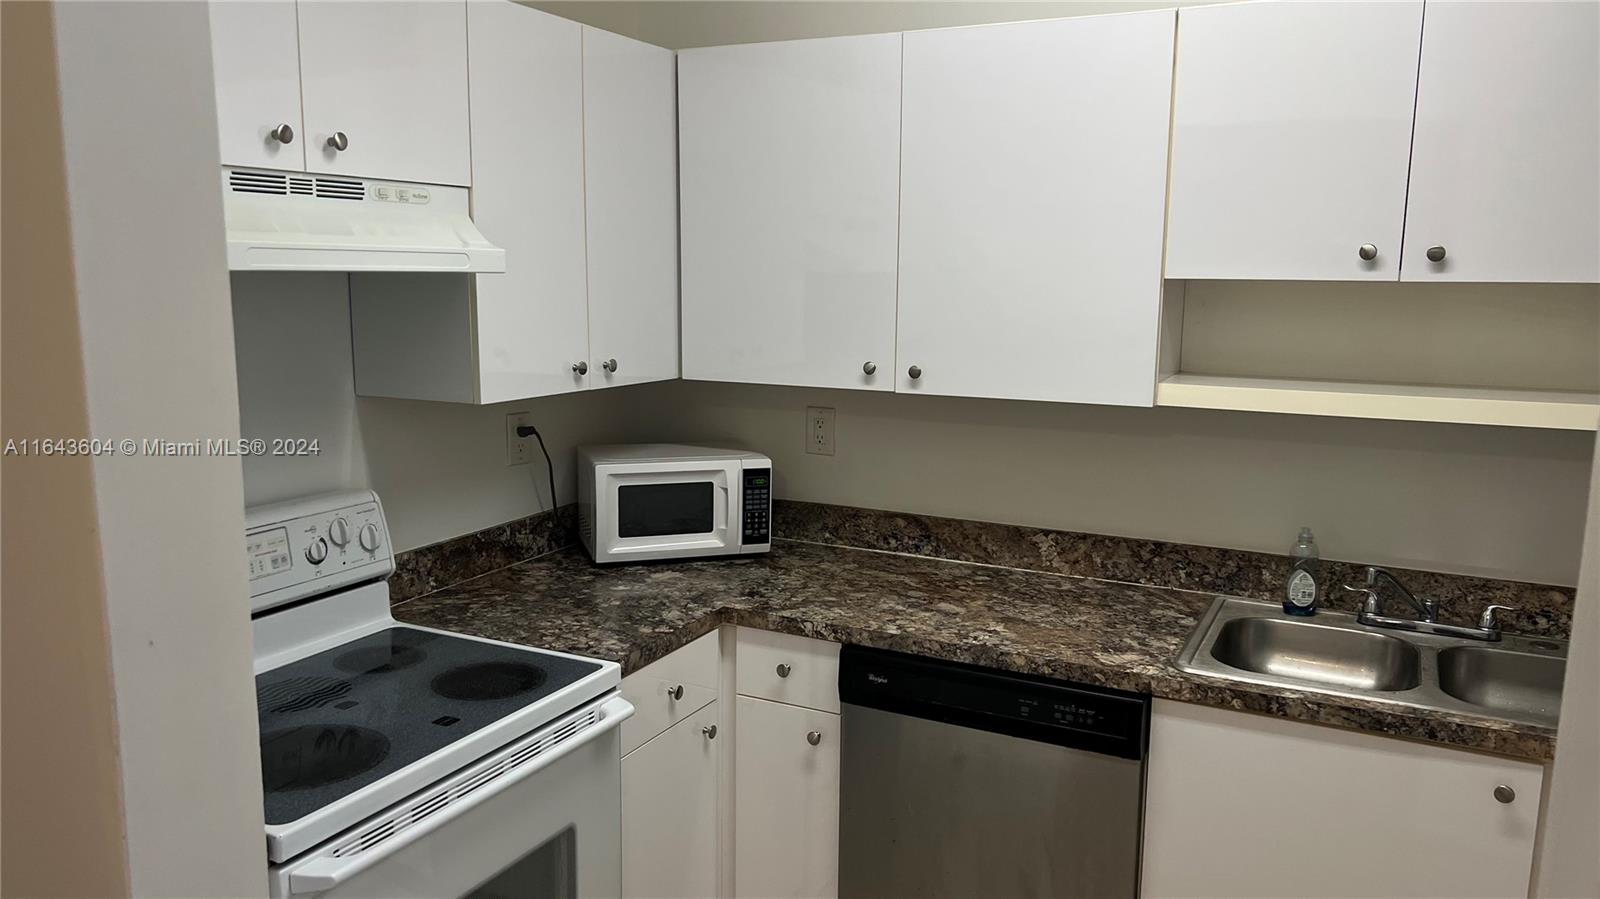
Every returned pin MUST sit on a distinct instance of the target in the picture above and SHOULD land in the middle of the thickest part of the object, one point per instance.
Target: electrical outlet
(819, 430)
(519, 450)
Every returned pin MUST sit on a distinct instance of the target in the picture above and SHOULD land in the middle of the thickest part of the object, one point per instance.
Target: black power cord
(525, 431)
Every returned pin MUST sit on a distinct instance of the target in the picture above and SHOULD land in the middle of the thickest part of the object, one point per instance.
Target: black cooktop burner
(300, 758)
(489, 680)
(341, 719)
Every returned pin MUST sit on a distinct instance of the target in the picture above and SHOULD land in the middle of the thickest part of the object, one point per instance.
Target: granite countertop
(1107, 633)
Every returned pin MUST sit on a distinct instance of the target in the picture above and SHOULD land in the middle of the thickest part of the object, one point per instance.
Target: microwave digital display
(661, 510)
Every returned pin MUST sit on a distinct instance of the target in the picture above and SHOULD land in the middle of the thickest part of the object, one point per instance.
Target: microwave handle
(321, 874)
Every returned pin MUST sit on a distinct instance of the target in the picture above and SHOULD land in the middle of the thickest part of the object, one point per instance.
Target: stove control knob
(339, 532)
(317, 551)
(369, 538)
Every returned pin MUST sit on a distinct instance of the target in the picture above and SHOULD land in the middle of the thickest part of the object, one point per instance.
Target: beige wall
(1497, 501)
(1569, 861)
(149, 282)
(61, 818)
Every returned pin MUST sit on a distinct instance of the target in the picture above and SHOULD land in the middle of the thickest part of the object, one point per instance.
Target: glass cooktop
(346, 717)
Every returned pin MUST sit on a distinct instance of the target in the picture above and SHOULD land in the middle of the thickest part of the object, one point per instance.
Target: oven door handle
(326, 872)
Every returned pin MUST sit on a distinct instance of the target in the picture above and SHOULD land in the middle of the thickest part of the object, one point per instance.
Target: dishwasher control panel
(1095, 719)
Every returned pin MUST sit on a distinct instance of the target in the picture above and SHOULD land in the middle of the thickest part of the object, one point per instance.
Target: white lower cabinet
(1240, 805)
(786, 801)
(669, 811)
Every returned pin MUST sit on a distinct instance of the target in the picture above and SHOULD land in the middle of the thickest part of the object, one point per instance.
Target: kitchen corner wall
(1497, 502)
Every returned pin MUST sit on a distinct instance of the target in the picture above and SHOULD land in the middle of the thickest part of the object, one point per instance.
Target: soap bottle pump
(1303, 589)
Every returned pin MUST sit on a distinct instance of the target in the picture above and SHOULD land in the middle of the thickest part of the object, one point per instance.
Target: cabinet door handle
(784, 669)
(870, 368)
(1436, 254)
(1505, 794)
(610, 365)
(338, 141)
(283, 134)
(675, 692)
(580, 367)
(814, 737)
(710, 730)
(914, 372)
(1368, 252)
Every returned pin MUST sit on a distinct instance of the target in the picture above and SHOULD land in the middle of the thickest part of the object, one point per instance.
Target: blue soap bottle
(1304, 587)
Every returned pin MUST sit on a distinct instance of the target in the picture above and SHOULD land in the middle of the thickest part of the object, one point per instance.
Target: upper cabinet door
(789, 173)
(1291, 132)
(391, 78)
(255, 58)
(527, 157)
(1032, 188)
(630, 153)
(1505, 169)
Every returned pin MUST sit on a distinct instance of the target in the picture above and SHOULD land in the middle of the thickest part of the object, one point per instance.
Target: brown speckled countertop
(1079, 629)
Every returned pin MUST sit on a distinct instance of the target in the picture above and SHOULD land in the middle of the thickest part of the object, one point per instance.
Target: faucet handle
(1370, 604)
(1487, 620)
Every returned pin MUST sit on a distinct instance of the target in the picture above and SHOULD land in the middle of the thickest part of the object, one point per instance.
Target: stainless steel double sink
(1515, 678)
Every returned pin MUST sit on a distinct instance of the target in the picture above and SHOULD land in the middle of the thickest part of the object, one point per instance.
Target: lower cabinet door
(1240, 805)
(669, 812)
(786, 801)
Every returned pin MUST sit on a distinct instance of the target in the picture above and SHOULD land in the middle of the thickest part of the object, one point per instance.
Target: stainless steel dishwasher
(959, 781)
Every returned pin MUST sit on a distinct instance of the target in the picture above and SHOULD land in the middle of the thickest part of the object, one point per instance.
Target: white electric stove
(408, 761)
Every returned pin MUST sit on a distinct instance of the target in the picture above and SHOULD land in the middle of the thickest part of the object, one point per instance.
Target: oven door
(667, 510)
(539, 818)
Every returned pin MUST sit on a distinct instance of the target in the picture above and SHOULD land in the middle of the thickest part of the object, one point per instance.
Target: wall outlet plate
(519, 450)
(819, 430)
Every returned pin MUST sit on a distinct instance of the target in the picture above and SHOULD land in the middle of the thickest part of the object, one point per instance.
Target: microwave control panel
(757, 506)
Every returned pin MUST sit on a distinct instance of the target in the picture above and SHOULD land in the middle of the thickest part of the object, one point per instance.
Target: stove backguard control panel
(309, 546)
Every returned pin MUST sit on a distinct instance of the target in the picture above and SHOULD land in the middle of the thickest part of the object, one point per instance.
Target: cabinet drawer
(782, 668)
(653, 690)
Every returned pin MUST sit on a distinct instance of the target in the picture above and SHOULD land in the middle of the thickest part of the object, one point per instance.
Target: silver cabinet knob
(710, 730)
(283, 134)
(1367, 252)
(675, 692)
(580, 367)
(870, 368)
(339, 141)
(1436, 254)
(784, 669)
(814, 737)
(914, 372)
(610, 365)
(1505, 794)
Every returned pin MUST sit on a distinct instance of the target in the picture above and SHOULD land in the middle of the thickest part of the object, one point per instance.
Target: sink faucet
(1427, 620)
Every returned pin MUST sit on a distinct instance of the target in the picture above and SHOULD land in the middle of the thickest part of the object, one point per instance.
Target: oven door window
(549, 872)
(662, 510)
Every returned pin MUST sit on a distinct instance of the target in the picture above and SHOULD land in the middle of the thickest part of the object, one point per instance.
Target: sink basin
(1508, 683)
(1315, 654)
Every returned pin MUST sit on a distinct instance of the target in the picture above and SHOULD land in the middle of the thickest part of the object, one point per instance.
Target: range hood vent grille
(282, 184)
(297, 221)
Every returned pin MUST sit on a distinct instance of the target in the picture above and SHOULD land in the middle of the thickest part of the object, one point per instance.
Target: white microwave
(638, 502)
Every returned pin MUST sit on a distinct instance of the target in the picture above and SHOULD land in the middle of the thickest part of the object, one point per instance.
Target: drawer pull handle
(675, 692)
(814, 737)
(710, 730)
(784, 669)
(1505, 793)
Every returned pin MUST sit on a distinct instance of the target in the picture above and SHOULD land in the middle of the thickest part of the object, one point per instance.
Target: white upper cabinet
(789, 175)
(255, 59)
(391, 78)
(527, 161)
(630, 156)
(1032, 185)
(1291, 133)
(1505, 168)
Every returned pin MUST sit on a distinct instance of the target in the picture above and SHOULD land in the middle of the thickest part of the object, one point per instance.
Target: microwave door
(686, 510)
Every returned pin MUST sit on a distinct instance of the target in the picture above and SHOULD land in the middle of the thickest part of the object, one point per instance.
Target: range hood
(295, 221)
